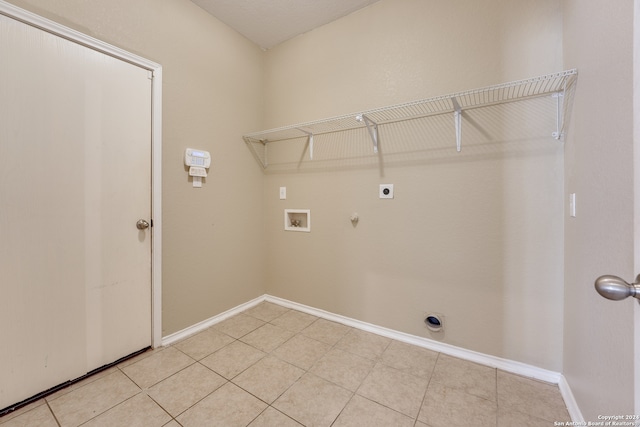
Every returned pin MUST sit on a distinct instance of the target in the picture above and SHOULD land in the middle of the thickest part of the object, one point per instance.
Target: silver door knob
(614, 288)
(142, 224)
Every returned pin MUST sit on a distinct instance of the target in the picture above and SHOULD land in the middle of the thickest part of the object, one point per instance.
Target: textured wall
(476, 236)
(598, 346)
(212, 93)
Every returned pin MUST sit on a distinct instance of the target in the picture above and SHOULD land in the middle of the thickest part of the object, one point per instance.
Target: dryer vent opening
(434, 322)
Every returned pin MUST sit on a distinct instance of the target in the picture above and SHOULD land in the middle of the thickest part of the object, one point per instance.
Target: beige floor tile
(139, 357)
(266, 311)
(39, 415)
(273, 418)
(395, 389)
(228, 406)
(204, 343)
(179, 392)
(22, 410)
(238, 325)
(449, 407)
(388, 378)
(139, 411)
(85, 403)
(467, 376)
(268, 378)
(345, 369)
(517, 419)
(313, 401)
(294, 321)
(267, 337)
(301, 351)
(232, 359)
(363, 412)
(410, 359)
(531, 397)
(155, 368)
(364, 344)
(82, 383)
(326, 331)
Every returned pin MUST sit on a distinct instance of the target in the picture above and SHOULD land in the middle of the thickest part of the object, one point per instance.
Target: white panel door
(75, 176)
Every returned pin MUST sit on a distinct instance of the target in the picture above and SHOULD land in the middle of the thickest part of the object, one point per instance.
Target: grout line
(162, 407)
(378, 360)
(426, 390)
(353, 394)
(306, 370)
(53, 414)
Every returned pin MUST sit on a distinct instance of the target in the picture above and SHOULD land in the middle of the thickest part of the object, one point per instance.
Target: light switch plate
(283, 193)
(572, 205)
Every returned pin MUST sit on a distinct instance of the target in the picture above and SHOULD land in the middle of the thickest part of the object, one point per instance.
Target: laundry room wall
(475, 236)
(212, 93)
(599, 169)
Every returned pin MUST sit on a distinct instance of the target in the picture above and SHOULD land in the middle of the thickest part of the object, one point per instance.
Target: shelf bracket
(457, 116)
(558, 134)
(372, 127)
(264, 143)
(309, 141)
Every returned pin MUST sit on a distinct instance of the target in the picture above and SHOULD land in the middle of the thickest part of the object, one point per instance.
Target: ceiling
(268, 23)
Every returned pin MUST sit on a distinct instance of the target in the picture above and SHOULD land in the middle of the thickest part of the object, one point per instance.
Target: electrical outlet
(386, 191)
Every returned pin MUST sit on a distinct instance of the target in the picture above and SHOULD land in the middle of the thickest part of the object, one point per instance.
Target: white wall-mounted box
(297, 220)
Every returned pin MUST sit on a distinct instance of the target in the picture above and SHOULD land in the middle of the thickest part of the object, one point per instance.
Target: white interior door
(75, 176)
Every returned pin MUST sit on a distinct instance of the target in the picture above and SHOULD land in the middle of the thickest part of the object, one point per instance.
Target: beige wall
(397, 51)
(476, 236)
(212, 93)
(598, 346)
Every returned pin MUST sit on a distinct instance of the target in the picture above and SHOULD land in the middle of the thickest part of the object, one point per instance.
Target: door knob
(142, 224)
(614, 288)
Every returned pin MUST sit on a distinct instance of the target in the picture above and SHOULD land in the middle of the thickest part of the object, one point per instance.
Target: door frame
(155, 71)
(636, 199)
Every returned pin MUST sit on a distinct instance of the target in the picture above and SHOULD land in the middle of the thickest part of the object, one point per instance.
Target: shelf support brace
(558, 134)
(264, 142)
(372, 127)
(309, 141)
(457, 116)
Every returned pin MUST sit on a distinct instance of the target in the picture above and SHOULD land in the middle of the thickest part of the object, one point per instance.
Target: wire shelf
(556, 84)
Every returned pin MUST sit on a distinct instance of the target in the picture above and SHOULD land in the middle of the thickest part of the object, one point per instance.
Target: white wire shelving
(556, 85)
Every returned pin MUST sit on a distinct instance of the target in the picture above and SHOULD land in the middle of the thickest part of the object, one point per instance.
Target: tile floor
(272, 366)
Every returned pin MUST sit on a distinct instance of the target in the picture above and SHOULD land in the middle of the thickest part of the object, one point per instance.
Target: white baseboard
(570, 401)
(506, 365)
(462, 353)
(201, 326)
